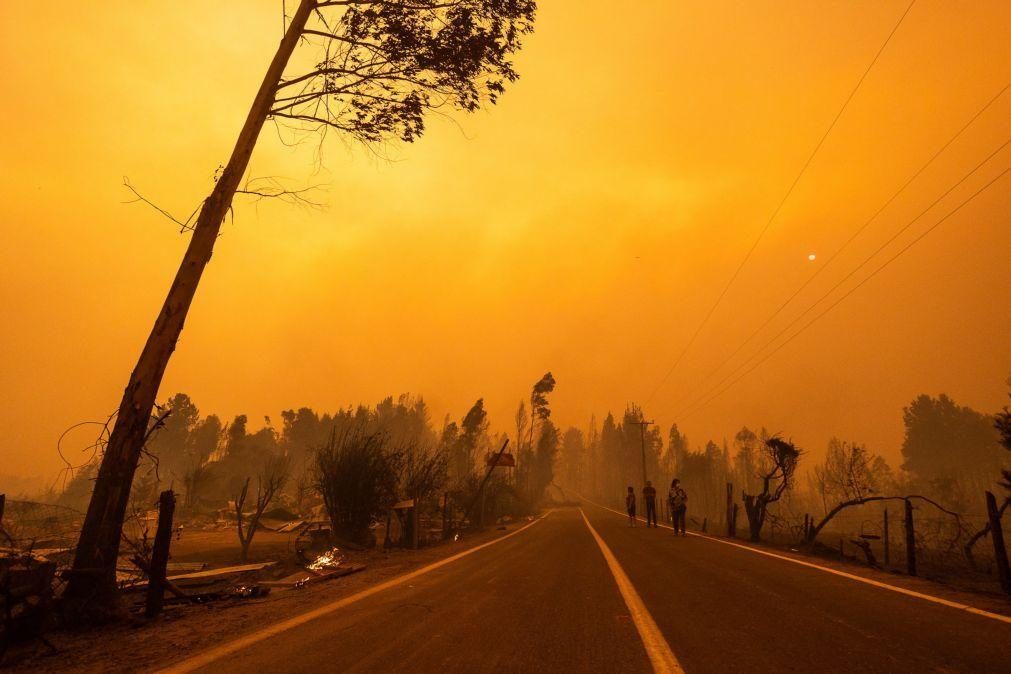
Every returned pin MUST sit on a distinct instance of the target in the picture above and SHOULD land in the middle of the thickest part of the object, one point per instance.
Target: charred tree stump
(997, 537)
(160, 555)
(910, 540)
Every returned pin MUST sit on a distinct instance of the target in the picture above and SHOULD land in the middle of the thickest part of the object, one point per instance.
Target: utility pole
(642, 434)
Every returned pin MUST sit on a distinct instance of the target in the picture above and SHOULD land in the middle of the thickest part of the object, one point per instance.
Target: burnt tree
(269, 484)
(382, 65)
(783, 457)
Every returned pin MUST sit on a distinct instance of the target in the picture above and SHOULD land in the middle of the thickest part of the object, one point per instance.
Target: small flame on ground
(330, 559)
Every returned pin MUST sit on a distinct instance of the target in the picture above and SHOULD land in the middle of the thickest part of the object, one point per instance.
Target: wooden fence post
(887, 542)
(731, 515)
(445, 513)
(997, 537)
(160, 554)
(910, 540)
(415, 523)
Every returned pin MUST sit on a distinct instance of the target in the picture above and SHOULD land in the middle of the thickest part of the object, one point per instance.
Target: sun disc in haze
(811, 257)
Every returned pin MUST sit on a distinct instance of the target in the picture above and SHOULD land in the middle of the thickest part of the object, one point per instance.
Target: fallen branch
(814, 531)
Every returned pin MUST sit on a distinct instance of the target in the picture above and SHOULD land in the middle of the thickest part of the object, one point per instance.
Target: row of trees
(356, 462)
(950, 453)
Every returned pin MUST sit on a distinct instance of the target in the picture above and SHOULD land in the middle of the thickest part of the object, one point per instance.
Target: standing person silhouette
(678, 505)
(630, 505)
(649, 498)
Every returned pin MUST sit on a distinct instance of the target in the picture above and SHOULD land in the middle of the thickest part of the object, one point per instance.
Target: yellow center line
(218, 652)
(659, 651)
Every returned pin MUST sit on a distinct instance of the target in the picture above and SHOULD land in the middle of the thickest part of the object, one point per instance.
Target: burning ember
(331, 559)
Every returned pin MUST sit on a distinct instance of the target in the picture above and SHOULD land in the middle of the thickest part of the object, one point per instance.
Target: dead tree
(784, 456)
(382, 65)
(269, 484)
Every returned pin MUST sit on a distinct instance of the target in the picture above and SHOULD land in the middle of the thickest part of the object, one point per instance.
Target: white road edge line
(657, 648)
(218, 652)
(836, 572)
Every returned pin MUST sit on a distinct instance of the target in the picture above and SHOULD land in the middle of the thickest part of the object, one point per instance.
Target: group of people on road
(677, 499)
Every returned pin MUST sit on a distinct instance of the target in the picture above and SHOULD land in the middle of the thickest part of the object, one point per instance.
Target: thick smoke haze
(585, 227)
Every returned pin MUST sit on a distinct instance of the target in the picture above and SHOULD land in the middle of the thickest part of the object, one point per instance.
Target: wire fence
(40, 527)
(860, 534)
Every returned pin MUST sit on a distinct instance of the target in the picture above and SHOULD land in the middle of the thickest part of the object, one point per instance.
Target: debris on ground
(250, 591)
(26, 595)
(223, 571)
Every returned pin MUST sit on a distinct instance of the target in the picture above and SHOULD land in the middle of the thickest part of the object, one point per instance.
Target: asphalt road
(546, 600)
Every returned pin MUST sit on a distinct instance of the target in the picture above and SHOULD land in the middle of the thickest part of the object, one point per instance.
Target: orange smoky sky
(584, 225)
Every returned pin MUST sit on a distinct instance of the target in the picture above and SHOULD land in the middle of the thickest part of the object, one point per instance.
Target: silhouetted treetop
(386, 63)
(539, 396)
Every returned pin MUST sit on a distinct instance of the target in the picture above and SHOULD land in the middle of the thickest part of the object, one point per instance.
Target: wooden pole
(160, 554)
(487, 476)
(997, 537)
(887, 540)
(415, 523)
(910, 540)
(730, 509)
(445, 514)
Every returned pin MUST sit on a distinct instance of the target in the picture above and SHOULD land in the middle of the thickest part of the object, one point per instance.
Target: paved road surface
(546, 600)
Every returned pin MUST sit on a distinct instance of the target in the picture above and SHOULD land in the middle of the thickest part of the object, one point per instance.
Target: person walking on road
(649, 498)
(630, 505)
(678, 506)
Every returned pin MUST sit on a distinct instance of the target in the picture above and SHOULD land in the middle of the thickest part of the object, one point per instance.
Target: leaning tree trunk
(91, 590)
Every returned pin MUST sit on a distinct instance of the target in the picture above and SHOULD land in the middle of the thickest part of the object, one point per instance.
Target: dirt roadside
(143, 645)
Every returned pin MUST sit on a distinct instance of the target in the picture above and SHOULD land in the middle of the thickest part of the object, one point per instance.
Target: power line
(709, 398)
(779, 207)
(856, 233)
(692, 406)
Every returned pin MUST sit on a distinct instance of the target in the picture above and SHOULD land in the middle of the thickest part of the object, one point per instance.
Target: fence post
(3, 503)
(415, 523)
(997, 537)
(910, 540)
(887, 542)
(730, 510)
(445, 513)
(160, 554)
